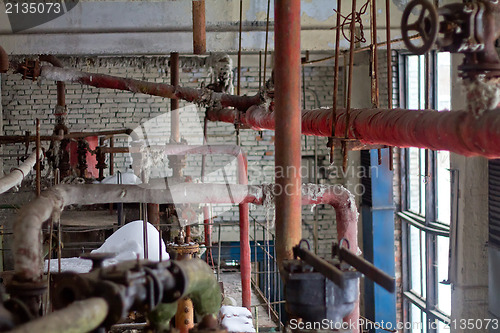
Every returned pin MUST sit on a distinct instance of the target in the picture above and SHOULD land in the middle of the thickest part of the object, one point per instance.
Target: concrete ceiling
(146, 27)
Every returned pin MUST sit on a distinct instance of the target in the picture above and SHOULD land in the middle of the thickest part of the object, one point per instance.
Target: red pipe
(345, 208)
(288, 140)
(34, 214)
(199, 27)
(202, 96)
(459, 131)
(245, 254)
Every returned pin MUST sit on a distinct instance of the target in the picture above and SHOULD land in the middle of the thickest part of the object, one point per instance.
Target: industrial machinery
(151, 288)
(318, 289)
(471, 28)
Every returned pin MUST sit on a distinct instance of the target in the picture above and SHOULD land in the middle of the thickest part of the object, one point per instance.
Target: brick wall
(103, 109)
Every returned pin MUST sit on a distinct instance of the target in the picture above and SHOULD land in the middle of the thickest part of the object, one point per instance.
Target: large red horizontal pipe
(201, 96)
(458, 131)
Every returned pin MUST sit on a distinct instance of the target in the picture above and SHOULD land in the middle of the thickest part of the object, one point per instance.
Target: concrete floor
(232, 288)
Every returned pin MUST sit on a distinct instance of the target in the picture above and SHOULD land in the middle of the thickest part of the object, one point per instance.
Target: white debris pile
(236, 319)
(128, 178)
(127, 243)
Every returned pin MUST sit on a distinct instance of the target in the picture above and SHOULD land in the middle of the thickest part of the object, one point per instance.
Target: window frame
(428, 224)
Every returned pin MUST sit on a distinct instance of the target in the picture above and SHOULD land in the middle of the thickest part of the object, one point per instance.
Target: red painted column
(288, 127)
(199, 29)
(245, 254)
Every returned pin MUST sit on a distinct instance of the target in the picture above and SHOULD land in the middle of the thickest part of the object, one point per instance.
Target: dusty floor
(232, 288)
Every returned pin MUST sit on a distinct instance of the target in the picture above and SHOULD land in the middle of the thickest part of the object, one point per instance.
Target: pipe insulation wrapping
(16, 176)
(79, 317)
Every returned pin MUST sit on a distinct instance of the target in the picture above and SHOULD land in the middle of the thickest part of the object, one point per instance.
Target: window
(426, 201)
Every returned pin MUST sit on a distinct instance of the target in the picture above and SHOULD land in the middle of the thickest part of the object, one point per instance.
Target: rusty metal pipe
(28, 264)
(38, 151)
(245, 254)
(75, 135)
(389, 70)
(80, 316)
(174, 103)
(202, 96)
(175, 135)
(233, 150)
(288, 139)
(336, 72)
(61, 87)
(27, 245)
(460, 131)
(199, 27)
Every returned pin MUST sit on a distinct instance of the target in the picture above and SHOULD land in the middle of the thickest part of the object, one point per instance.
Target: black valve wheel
(426, 25)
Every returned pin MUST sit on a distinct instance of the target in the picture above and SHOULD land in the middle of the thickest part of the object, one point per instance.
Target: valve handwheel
(426, 25)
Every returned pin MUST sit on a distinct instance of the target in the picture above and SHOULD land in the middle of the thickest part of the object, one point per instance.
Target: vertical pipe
(199, 29)
(267, 40)
(288, 128)
(218, 253)
(260, 70)
(238, 86)
(349, 83)
(389, 70)
(353, 317)
(38, 170)
(336, 76)
(61, 94)
(145, 239)
(430, 212)
(375, 90)
(175, 135)
(245, 254)
(111, 156)
(374, 71)
(351, 68)
(207, 219)
(154, 214)
(174, 103)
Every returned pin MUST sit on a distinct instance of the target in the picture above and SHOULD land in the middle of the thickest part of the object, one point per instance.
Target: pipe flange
(182, 249)
(27, 289)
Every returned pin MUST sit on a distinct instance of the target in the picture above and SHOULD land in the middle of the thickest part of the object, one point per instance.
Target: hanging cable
(374, 65)
(335, 81)
(267, 39)
(238, 86)
(349, 89)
